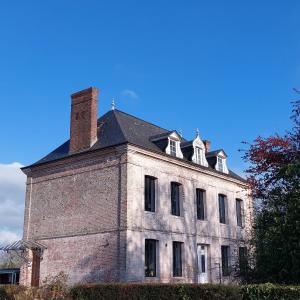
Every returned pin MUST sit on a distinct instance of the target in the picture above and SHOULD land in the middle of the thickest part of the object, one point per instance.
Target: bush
(270, 291)
(153, 291)
(156, 291)
(3, 295)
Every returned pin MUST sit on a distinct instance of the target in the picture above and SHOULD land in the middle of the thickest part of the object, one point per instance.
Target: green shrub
(152, 291)
(156, 291)
(3, 294)
(270, 291)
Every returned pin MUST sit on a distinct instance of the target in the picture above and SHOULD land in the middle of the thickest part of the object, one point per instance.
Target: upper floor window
(199, 155)
(220, 164)
(225, 260)
(222, 208)
(150, 258)
(173, 148)
(175, 198)
(177, 259)
(150, 193)
(200, 195)
(239, 214)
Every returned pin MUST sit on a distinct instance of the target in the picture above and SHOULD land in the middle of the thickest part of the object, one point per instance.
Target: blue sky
(226, 67)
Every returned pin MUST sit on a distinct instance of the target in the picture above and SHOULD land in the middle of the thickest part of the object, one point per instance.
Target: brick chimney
(207, 145)
(83, 131)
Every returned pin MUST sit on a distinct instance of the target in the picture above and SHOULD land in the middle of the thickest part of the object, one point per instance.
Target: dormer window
(220, 164)
(199, 155)
(218, 160)
(197, 150)
(173, 148)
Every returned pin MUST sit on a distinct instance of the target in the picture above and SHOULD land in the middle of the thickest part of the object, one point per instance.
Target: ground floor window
(177, 259)
(225, 260)
(150, 258)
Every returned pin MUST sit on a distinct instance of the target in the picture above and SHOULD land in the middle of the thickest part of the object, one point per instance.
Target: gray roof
(116, 128)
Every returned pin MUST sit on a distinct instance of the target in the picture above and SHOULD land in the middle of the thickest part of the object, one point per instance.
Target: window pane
(220, 164)
(239, 212)
(225, 260)
(149, 193)
(222, 210)
(172, 148)
(175, 198)
(243, 258)
(150, 258)
(203, 263)
(200, 204)
(177, 259)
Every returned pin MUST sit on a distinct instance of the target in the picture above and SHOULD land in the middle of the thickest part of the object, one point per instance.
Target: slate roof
(116, 128)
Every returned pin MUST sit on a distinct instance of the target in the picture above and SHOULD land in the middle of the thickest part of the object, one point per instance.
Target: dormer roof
(216, 153)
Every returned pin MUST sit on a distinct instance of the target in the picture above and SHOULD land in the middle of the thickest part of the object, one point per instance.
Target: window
(243, 259)
(222, 209)
(238, 208)
(150, 193)
(220, 164)
(225, 260)
(175, 198)
(200, 194)
(177, 259)
(150, 258)
(203, 267)
(173, 147)
(199, 155)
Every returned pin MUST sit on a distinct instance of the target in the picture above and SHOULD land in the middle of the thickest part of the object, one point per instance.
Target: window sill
(150, 212)
(203, 221)
(178, 217)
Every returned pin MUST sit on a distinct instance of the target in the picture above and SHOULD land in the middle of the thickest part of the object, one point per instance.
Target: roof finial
(113, 105)
(197, 132)
(180, 133)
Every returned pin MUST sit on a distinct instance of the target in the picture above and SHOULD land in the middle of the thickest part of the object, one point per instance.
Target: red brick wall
(83, 120)
(77, 208)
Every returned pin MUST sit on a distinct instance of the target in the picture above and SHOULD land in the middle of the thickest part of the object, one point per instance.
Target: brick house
(126, 200)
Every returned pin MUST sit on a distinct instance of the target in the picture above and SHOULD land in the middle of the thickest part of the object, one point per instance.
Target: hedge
(165, 292)
(156, 291)
(184, 292)
(269, 291)
(3, 294)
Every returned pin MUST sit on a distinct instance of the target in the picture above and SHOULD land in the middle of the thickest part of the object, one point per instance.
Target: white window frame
(199, 155)
(220, 164)
(173, 147)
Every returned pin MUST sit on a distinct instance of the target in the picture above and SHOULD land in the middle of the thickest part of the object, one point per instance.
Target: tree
(10, 260)
(274, 176)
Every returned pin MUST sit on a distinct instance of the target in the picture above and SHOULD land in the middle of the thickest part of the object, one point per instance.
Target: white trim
(224, 169)
(197, 143)
(174, 137)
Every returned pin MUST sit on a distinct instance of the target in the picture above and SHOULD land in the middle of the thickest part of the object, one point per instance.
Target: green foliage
(274, 174)
(10, 260)
(270, 292)
(53, 288)
(156, 291)
(3, 294)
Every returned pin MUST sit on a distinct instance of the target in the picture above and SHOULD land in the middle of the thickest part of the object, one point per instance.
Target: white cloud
(130, 94)
(7, 237)
(12, 198)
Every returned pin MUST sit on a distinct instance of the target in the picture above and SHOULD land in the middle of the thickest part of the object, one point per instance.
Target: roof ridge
(120, 111)
(118, 122)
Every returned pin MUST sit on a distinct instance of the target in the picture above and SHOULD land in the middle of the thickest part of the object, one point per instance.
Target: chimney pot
(83, 131)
